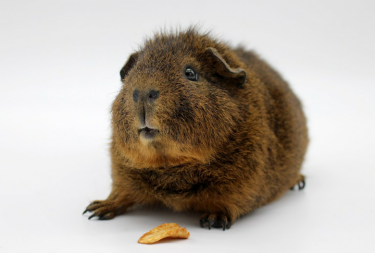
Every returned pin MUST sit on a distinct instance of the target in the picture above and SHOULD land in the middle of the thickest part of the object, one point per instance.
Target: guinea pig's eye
(191, 74)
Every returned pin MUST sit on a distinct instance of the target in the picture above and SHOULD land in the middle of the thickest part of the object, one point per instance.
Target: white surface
(59, 70)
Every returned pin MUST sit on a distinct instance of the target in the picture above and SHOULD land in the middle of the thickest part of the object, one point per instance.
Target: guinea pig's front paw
(104, 209)
(215, 220)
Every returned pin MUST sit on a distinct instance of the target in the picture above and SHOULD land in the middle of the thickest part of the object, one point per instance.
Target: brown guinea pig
(204, 127)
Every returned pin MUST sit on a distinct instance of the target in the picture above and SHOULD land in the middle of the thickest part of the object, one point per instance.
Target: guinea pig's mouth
(148, 133)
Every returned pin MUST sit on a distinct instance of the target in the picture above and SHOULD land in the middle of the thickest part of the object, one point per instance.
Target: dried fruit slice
(170, 230)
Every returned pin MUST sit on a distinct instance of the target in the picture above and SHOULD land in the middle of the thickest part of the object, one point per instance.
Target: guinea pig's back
(284, 109)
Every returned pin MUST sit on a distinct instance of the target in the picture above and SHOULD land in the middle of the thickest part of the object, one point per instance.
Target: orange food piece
(166, 230)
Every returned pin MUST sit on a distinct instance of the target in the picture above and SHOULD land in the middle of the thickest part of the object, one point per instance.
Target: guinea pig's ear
(232, 76)
(128, 65)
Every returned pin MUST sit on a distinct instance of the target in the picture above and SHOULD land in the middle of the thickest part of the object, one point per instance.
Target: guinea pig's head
(179, 102)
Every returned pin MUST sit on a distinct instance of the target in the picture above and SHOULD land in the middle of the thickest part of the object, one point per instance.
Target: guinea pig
(201, 126)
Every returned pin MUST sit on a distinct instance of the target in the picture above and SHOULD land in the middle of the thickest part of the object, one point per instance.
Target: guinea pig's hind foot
(300, 182)
(215, 220)
(104, 209)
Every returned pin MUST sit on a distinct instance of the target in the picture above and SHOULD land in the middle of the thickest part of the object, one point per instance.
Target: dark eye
(191, 74)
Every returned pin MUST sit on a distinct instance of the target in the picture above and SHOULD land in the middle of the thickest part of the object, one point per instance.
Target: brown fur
(226, 144)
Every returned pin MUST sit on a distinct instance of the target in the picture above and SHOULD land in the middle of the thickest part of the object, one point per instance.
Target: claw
(216, 221)
(301, 185)
(88, 208)
(107, 216)
(106, 210)
(201, 222)
(93, 203)
(211, 221)
(92, 216)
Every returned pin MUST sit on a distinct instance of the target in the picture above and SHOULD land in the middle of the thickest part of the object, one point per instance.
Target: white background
(59, 73)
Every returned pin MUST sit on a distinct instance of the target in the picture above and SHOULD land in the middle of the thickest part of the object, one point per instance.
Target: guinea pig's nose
(152, 95)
